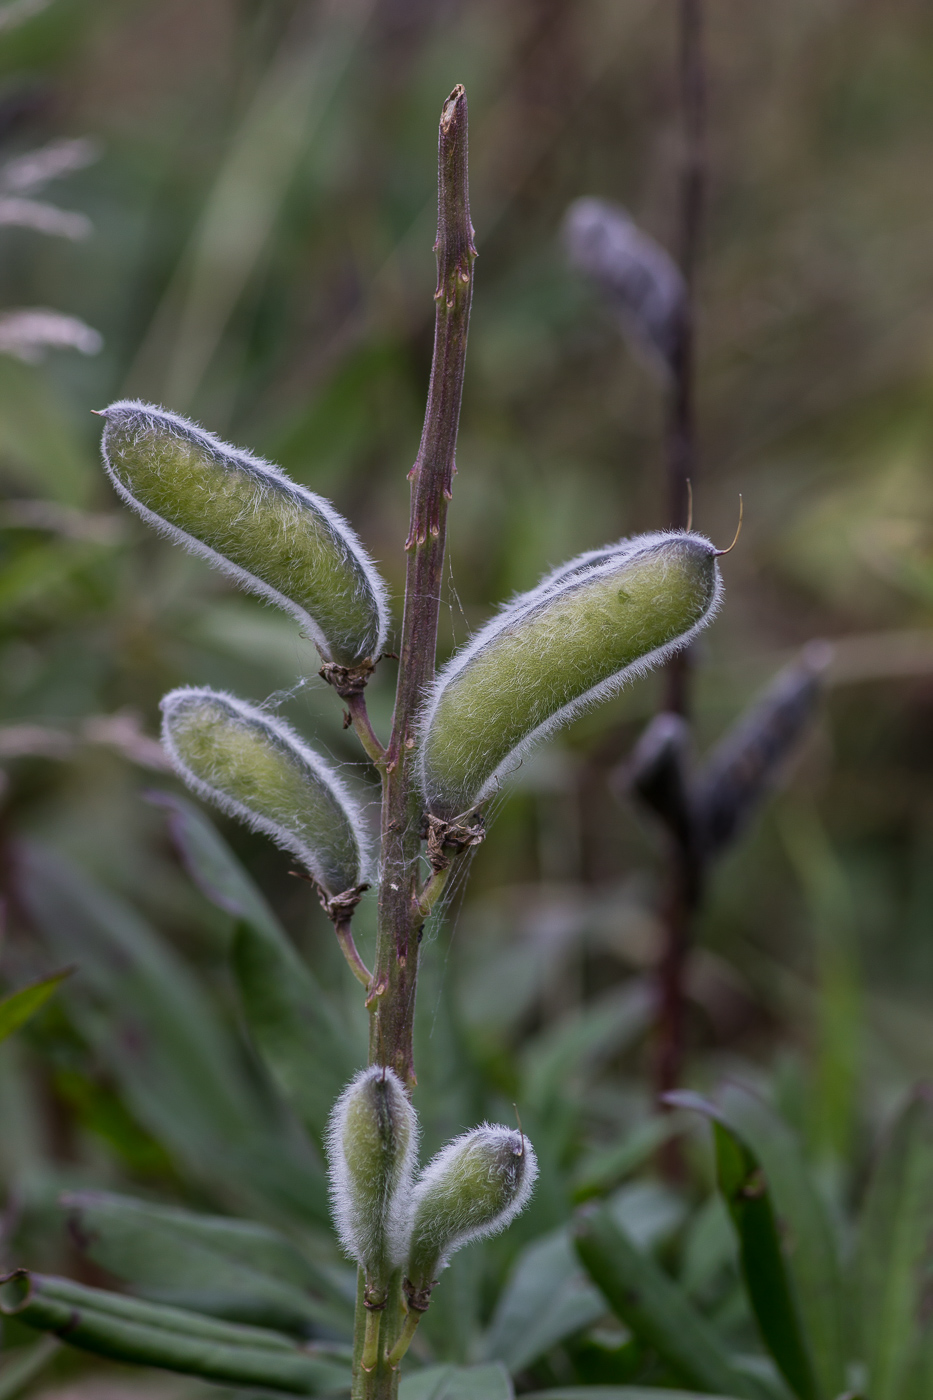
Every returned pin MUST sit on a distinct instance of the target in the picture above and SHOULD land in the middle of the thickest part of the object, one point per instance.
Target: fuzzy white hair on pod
(379, 1229)
(184, 696)
(453, 1225)
(562, 580)
(150, 418)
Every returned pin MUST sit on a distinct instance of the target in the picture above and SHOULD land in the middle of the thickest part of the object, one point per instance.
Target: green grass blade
(810, 1253)
(146, 1334)
(619, 1392)
(25, 1364)
(234, 1269)
(297, 1031)
(484, 1382)
(894, 1247)
(181, 1073)
(652, 1305)
(16, 1009)
(767, 1278)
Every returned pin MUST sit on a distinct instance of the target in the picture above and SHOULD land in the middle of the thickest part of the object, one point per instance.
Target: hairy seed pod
(254, 767)
(572, 641)
(372, 1141)
(641, 282)
(247, 518)
(746, 764)
(474, 1187)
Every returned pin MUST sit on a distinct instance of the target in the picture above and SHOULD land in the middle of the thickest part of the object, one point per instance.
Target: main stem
(682, 455)
(400, 921)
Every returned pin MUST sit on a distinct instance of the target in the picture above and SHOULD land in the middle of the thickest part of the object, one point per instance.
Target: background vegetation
(263, 210)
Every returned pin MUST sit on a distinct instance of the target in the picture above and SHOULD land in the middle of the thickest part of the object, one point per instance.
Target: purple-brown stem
(400, 920)
(684, 875)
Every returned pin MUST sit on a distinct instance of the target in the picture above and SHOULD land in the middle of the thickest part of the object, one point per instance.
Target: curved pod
(255, 767)
(247, 518)
(572, 641)
(372, 1141)
(473, 1188)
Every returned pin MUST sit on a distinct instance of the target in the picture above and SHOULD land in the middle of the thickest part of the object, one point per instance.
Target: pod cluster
(387, 1217)
(573, 640)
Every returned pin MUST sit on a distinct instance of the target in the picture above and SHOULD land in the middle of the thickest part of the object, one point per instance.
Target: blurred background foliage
(263, 208)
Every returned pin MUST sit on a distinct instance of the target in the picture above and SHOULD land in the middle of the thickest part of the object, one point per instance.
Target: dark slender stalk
(400, 920)
(431, 478)
(682, 463)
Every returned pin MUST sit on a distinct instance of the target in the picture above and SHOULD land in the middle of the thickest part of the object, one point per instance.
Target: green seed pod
(247, 518)
(572, 641)
(372, 1141)
(255, 767)
(474, 1187)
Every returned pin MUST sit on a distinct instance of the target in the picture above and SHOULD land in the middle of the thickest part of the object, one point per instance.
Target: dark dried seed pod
(657, 773)
(641, 282)
(747, 763)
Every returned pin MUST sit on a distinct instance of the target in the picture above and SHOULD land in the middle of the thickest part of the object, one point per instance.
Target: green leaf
(809, 1247)
(917, 1383)
(608, 1165)
(484, 1382)
(768, 1280)
(25, 1364)
(894, 1249)
(619, 1392)
(652, 1305)
(148, 1334)
(303, 1041)
(182, 1074)
(606, 1027)
(16, 1009)
(548, 1297)
(212, 865)
(235, 1269)
(290, 1021)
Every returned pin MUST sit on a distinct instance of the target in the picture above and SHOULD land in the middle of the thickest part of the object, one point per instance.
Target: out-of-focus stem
(682, 462)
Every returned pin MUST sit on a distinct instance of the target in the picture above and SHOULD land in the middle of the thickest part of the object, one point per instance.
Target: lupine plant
(571, 641)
